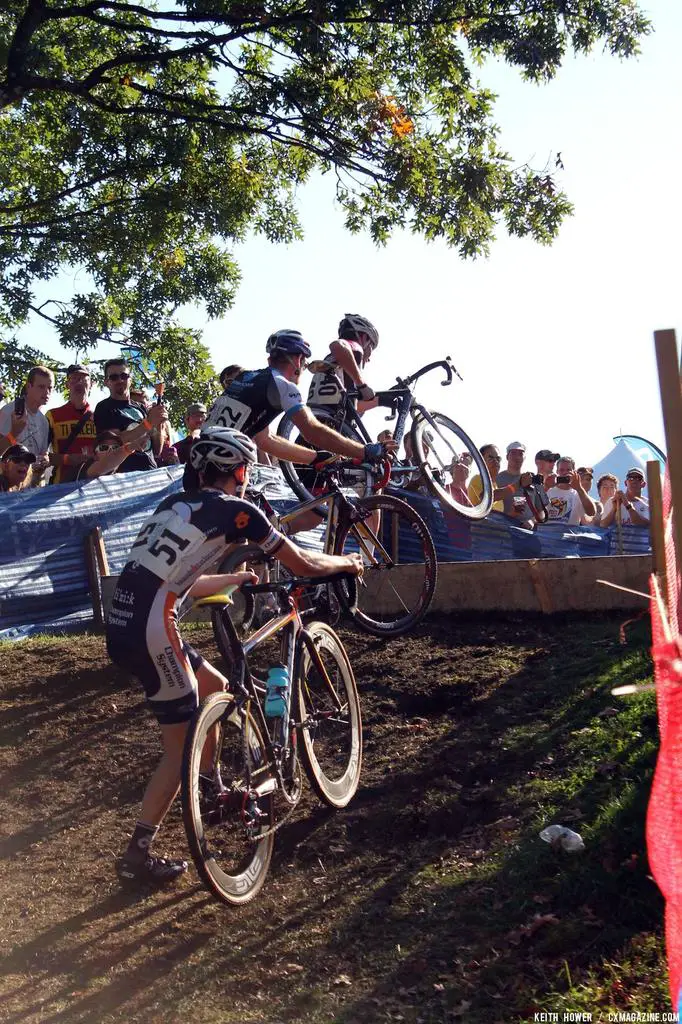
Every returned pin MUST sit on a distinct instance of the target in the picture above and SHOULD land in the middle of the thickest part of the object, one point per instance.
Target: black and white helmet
(223, 448)
(353, 325)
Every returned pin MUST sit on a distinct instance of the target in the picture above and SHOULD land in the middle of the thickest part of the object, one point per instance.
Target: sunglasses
(118, 376)
(101, 448)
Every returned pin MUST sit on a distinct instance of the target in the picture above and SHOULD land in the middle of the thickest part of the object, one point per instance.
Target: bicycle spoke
(400, 576)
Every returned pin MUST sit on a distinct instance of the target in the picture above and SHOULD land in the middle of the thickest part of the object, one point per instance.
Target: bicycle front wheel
(229, 815)
(401, 569)
(328, 718)
(436, 442)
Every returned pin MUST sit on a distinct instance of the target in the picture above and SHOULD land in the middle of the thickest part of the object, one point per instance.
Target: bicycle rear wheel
(436, 441)
(328, 718)
(301, 478)
(227, 828)
(401, 568)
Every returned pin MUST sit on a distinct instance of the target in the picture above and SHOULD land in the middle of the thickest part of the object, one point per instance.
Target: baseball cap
(635, 471)
(194, 408)
(76, 368)
(547, 455)
(515, 444)
(18, 452)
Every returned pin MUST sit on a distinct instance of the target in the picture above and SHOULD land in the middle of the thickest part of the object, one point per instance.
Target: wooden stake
(656, 524)
(668, 361)
(93, 578)
(100, 552)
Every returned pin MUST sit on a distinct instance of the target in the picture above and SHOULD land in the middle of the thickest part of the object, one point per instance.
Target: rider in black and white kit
(252, 401)
(188, 532)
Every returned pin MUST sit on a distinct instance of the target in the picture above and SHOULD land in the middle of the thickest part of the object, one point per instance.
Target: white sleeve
(289, 395)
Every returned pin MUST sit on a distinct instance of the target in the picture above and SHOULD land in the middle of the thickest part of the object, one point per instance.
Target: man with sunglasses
(108, 454)
(129, 418)
(629, 504)
(15, 464)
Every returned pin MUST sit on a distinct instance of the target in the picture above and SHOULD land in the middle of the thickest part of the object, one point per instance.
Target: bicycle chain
(275, 828)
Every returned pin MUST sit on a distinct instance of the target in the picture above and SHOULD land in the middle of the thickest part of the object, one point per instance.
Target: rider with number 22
(188, 532)
(255, 398)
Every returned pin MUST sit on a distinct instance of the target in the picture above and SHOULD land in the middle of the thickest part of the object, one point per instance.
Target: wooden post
(656, 524)
(100, 552)
(93, 578)
(668, 361)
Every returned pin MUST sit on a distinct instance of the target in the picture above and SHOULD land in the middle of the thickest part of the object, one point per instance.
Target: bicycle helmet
(291, 342)
(223, 448)
(353, 326)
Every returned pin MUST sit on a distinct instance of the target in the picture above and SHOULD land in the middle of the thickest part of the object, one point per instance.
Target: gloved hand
(365, 393)
(374, 452)
(322, 460)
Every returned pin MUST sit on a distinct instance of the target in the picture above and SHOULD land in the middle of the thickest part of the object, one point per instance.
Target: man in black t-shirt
(129, 418)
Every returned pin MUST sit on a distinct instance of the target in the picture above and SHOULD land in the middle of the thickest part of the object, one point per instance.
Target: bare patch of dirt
(399, 908)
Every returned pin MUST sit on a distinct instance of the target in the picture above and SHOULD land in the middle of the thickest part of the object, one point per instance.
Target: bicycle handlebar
(445, 363)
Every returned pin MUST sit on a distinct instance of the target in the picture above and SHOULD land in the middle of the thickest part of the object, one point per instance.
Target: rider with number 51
(187, 533)
(252, 401)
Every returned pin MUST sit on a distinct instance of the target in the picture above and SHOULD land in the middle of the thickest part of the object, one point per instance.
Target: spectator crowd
(126, 433)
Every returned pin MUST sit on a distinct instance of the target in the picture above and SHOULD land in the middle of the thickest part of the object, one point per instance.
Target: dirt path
(399, 908)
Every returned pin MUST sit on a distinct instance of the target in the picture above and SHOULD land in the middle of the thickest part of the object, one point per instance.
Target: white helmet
(222, 448)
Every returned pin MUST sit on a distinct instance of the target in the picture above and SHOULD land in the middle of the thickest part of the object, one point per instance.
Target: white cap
(515, 444)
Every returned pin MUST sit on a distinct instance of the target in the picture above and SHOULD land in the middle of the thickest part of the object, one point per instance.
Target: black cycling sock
(142, 838)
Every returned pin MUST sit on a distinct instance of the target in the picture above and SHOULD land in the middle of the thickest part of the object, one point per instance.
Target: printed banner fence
(43, 576)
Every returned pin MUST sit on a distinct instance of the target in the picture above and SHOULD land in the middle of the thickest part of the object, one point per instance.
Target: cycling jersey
(253, 400)
(185, 537)
(329, 386)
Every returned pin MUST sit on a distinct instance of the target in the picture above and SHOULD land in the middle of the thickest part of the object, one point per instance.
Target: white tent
(619, 460)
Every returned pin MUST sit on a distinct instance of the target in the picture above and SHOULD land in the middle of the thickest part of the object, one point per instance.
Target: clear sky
(554, 343)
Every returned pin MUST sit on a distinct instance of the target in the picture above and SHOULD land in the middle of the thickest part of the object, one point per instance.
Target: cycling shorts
(167, 671)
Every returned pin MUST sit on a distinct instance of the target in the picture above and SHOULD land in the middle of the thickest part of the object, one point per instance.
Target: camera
(563, 479)
(19, 406)
(537, 479)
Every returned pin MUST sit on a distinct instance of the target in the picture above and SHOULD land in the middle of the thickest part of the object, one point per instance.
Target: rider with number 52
(255, 398)
(188, 532)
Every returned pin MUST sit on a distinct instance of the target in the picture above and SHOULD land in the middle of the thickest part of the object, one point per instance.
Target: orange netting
(664, 818)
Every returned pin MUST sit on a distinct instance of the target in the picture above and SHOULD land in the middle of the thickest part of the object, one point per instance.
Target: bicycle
(401, 569)
(437, 441)
(237, 761)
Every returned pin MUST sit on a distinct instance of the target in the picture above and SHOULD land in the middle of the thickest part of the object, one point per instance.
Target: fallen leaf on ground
(528, 930)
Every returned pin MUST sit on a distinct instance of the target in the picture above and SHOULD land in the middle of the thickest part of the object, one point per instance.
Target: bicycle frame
(404, 405)
(341, 511)
(279, 734)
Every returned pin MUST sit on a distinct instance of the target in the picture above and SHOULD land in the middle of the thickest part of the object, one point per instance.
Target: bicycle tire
(391, 599)
(291, 470)
(329, 723)
(230, 858)
(243, 608)
(434, 457)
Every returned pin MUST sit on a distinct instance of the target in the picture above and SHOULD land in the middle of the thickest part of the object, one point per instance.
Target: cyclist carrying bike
(343, 366)
(188, 532)
(252, 401)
